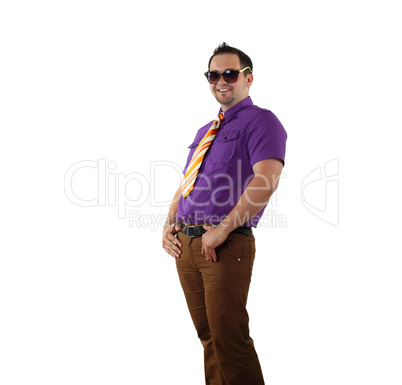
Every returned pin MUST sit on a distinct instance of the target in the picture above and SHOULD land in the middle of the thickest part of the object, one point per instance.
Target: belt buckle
(189, 232)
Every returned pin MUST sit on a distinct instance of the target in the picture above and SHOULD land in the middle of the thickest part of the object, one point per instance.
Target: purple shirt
(248, 135)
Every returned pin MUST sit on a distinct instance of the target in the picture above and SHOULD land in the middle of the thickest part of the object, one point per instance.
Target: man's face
(229, 94)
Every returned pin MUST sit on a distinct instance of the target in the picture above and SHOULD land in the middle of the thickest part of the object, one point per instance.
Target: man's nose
(221, 80)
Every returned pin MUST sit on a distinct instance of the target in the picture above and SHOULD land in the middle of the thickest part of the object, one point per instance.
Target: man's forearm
(253, 199)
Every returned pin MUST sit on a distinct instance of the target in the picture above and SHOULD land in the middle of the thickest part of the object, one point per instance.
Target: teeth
(223, 89)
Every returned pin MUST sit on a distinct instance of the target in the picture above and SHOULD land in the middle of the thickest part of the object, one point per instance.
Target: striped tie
(187, 184)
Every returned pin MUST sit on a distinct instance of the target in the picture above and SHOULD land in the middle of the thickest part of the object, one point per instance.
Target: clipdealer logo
(319, 191)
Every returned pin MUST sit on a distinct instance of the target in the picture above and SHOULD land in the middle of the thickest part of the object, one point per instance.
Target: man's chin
(224, 101)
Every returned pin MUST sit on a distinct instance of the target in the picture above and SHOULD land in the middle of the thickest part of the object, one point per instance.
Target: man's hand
(170, 243)
(214, 237)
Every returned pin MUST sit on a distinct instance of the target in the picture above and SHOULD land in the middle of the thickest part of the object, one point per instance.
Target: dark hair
(245, 60)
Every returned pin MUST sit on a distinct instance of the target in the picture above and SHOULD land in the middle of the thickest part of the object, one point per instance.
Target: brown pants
(216, 295)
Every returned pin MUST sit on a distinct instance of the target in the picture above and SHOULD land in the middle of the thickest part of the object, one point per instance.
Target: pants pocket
(240, 253)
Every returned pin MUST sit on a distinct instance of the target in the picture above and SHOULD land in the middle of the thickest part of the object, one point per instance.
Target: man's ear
(249, 80)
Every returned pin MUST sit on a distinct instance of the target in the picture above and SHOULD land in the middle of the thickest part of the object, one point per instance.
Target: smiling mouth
(223, 89)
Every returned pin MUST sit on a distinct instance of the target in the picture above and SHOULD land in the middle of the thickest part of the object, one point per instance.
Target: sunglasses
(229, 76)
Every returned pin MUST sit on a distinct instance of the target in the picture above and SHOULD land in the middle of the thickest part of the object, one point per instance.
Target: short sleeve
(266, 138)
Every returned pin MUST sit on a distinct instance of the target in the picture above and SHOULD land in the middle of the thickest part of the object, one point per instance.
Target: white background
(87, 298)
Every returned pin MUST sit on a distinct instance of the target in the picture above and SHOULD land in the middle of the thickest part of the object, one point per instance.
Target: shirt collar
(233, 111)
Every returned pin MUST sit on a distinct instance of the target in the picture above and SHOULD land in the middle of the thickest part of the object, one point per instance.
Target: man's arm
(169, 242)
(254, 198)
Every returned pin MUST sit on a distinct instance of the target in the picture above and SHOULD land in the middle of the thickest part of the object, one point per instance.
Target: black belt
(198, 230)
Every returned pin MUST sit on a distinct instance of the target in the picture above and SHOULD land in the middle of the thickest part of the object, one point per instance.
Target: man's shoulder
(263, 123)
(258, 116)
(258, 111)
(253, 111)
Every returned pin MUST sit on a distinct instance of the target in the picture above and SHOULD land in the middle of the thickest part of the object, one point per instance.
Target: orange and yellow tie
(187, 184)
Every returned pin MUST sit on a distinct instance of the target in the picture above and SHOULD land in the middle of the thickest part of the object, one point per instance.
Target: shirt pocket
(224, 147)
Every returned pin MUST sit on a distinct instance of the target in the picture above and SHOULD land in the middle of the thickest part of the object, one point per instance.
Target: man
(232, 170)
